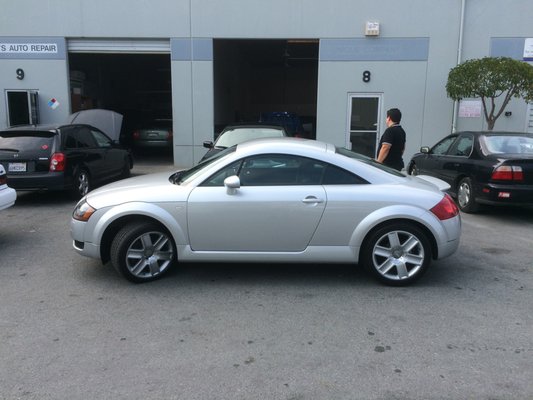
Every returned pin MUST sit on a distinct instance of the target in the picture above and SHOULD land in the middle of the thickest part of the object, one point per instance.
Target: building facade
(339, 65)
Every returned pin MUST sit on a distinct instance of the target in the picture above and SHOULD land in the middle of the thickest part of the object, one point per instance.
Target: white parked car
(271, 200)
(7, 194)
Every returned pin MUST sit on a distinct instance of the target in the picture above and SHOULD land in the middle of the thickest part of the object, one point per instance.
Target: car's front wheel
(142, 251)
(397, 254)
(413, 169)
(465, 196)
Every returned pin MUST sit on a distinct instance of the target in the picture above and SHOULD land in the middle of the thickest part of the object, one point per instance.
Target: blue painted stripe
(18, 48)
(185, 49)
(374, 49)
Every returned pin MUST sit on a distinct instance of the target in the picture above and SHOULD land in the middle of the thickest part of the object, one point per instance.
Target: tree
(489, 78)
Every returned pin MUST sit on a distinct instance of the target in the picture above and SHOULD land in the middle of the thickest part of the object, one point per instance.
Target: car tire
(413, 169)
(397, 254)
(81, 183)
(143, 251)
(465, 196)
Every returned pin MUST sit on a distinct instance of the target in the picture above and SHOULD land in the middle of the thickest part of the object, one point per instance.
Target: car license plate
(17, 167)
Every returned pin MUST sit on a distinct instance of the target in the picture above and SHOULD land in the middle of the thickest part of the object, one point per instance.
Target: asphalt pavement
(71, 328)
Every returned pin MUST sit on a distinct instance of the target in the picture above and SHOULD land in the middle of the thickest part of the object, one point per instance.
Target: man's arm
(383, 152)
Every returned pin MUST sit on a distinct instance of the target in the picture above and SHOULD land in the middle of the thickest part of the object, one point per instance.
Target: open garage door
(260, 77)
(131, 77)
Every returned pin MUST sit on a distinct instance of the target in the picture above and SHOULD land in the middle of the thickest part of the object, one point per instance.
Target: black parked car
(74, 157)
(481, 167)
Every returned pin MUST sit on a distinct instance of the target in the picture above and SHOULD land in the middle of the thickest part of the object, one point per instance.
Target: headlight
(83, 211)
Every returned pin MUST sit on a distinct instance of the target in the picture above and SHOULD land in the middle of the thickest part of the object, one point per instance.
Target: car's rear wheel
(142, 251)
(397, 254)
(82, 183)
(465, 196)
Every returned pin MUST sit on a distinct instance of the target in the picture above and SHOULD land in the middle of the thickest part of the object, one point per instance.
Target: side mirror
(232, 183)
(424, 149)
(208, 144)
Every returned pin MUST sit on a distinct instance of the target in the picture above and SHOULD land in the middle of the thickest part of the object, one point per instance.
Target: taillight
(3, 179)
(446, 208)
(58, 162)
(169, 135)
(136, 135)
(508, 173)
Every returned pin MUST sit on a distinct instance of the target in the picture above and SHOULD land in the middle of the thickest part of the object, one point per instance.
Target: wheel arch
(110, 226)
(384, 216)
(422, 227)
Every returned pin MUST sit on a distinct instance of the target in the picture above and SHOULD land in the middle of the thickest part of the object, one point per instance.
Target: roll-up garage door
(119, 46)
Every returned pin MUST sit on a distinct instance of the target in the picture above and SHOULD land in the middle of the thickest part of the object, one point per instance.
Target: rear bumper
(493, 194)
(43, 181)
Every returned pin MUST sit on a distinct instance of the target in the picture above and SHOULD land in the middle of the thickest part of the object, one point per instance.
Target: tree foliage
(490, 78)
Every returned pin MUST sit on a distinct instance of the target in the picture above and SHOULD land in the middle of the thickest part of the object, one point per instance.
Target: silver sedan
(271, 200)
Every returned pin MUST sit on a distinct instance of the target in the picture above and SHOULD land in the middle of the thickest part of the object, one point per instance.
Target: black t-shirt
(395, 136)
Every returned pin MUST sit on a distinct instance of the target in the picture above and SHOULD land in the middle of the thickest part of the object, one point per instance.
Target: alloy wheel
(149, 254)
(398, 255)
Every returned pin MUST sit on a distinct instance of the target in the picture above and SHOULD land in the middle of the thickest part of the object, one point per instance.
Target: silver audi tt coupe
(271, 200)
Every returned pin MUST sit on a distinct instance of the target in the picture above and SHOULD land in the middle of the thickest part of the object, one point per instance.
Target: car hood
(109, 122)
(151, 188)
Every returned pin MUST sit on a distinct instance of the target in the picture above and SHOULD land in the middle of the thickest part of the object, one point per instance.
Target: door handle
(312, 200)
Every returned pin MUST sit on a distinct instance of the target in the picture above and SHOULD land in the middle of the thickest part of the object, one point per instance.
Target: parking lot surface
(71, 328)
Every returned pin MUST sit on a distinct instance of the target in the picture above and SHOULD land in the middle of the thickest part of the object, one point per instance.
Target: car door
(274, 210)
(113, 156)
(83, 152)
(433, 163)
(457, 162)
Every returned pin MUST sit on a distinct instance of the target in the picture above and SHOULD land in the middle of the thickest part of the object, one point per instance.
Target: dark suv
(72, 157)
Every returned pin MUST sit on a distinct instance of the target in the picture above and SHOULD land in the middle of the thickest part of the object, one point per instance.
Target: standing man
(392, 143)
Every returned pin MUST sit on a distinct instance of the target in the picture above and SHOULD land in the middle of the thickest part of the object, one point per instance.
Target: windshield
(507, 144)
(367, 160)
(238, 135)
(181, 176)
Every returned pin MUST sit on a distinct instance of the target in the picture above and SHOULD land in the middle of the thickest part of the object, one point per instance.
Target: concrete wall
(417, 87)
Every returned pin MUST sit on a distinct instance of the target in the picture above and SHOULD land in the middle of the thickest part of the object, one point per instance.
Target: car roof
(480, 133)
(43, 127)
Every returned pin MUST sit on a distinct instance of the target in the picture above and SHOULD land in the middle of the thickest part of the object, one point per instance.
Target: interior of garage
(251, 77)
(255, 76)
(138, 86)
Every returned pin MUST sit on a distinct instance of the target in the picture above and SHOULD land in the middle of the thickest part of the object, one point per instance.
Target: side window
(218, 178)
(84, 138)
(70, 138)
(443, 146)
(462, 147)
(101, 139)
(269, 170)
(338, 176)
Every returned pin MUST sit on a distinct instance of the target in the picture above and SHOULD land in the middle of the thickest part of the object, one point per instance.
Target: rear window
(367, 160)
(507, 144)
(26, 140)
